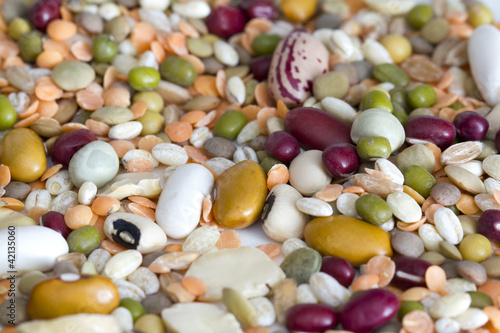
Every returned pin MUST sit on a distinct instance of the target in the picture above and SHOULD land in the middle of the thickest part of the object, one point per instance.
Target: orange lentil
(12, 61)
(47, 91)
(272, 250)
(383, 267)
(494, 314)
(68, 127)
(89, 100)
(206, 211)
(220, 82)
(54, 45)
(378, 174)
(121, 147)
(36, 212)
(142, 211)
(193, 117)
(4, 175)
(51, 171)
(364, 282)
(492, 289)
(427, 203)
(78, 216)
(158, 51)
(411, 226)
(178, 292)
(116, 96)
(82, 51)
(431, 211)
(138, 109)
(177, 43)
(205, 85)
(496, 195)
(179, 131)
(262, 117)
(104, 205)
(112, 247)
(263, 95)
(110, 77)
(140, 165)
(49, 59)
(278, 174)
(229, 239)
(258, 329)
(414, 194)
(97, 127)
(418, 321)
(467, 205)
(99, 225)
(208, 120)
(65, 13)
(26, 122)
(61, 30)
(353, 189)
(47, 108)
(174, 247)
(31, 109)
(148, 142)
(37, 185)
(9, 329)
(435, 279)
(143, 201)
(142, 35)
(12, 203)
(329, 193)
(194, 285)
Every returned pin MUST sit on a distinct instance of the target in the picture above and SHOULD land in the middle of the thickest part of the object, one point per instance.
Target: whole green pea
(377, 99)
(457, 106)
(419, 15)
(152, 123)
(178, 71)
(409, 306)
(104, 48)
(265, 44)
(85, 240)
(268, 162)
(135, 308)
(230, 124)
(422, 96)
(8, 115)
(391, 73)
(373, 209)
(419, 179)
(399, 112)
(479, 299)
(152, 98)
(400, 96)
(372, 147)
(18, 27)
(143, 78)
(30, 45)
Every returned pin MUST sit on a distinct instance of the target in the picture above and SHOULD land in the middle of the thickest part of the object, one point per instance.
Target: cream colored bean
(266, 315)
(451, 305)
(459, 285)
(375, 53)
(138, 154)
(219, 164)
(170, 154)
(471, 319)
(305, 294)
(127, 289)
(390, 169)
(145, 279)
(125, 131)
(448, 225)
(430, 236)
(59, 183)
(124, 318)
(99, 258)
(245, 153)
(447, 325)
(87, 193)
(274, 124)
(291, 245)
(192, 9)
(338, 108)
(201, 240)
(64, 201)
(346, 204)
(475, 167)
(235, 90)
(199, 136)
(39, 198)
(404, 207)
(491, 184)
(328, 290)
(123, 264)
(225, 53)
(249, 132)
(491, 166)
(314, 207)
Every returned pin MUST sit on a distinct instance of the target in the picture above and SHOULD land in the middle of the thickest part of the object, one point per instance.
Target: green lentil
(104, 49)
(30, 45)
(419, 16)
(85, 240)
(409, 306)
(391, 73)
(135, 308)
(230, 124)
(18, 27)
(373, 209)
(152, 98)
(422, 96)
(143, 78)
(377, 99)
(265, 44)
(480, 300)
(178, 71)
(331, 84)
(8, 115)
(152, 123)
(372, 147)
(419, 179)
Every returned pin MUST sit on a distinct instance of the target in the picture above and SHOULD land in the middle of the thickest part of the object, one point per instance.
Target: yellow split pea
(398, 47)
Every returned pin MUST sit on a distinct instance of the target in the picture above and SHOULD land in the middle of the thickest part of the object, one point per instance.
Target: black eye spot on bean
(121, 226)
(268, 206)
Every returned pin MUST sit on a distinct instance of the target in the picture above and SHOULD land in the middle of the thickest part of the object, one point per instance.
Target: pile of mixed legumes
(357, 140)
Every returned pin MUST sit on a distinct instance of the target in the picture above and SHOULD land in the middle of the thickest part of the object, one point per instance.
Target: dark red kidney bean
(259, 9)
(42, 12)
(259, 67)
(435, 129)
(68, 144)
(55, 221)
(497, 140)
(471, 126)
(369, 309)
(225, 21)
(340, 269)
(282, 145)
(488, 224)
(316, 129)
(340, 159)
(410, 272)
(310, 318)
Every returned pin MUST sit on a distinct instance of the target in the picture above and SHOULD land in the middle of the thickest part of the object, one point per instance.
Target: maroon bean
(42, 12)
(369, 309)
(225, 21)
(316, 129)
(260, 67)
(497, 140)
(68, 144)
(488, 224)
(437, 130)
(310, 318)
(340, 159)
(55, 221)
(471, 126)
(282, 145)
(259, 8)
(410, 272)
(340, 269)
